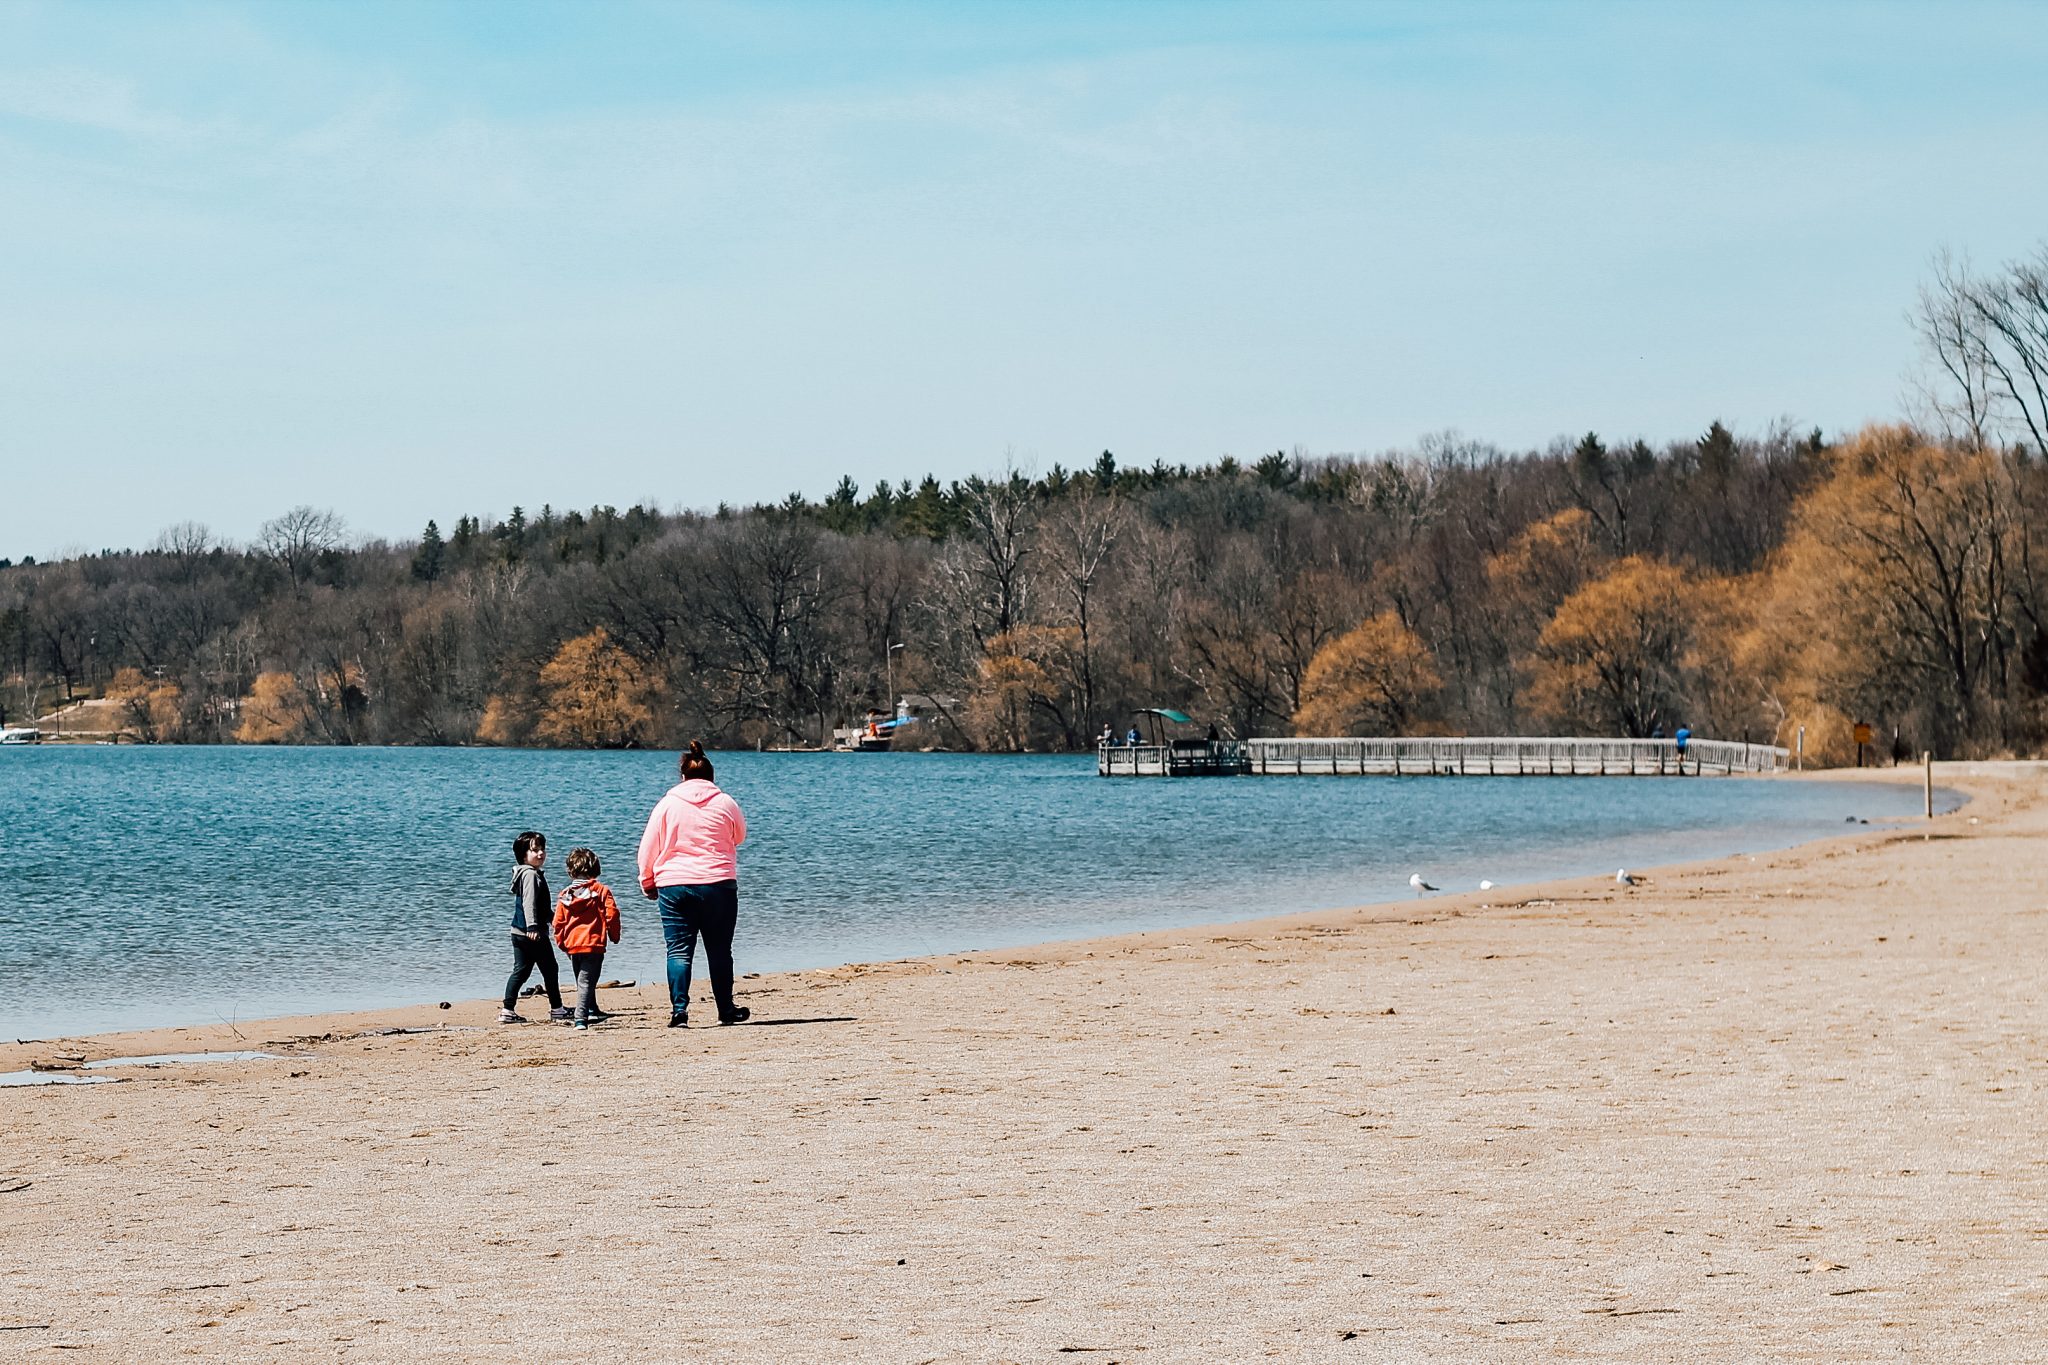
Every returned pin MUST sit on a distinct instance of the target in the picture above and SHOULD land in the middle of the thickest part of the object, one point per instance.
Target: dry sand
(1779, 1108)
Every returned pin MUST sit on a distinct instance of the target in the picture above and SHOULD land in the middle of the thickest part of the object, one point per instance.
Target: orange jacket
(585, 917)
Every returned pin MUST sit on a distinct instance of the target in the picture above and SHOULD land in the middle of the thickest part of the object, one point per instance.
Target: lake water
(147, 886)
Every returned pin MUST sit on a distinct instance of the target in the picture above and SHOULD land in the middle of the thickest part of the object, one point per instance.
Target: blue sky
(414, 260)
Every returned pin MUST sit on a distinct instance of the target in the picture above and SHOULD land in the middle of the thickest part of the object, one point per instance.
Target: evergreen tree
(1105, 472)
(426, 561)
(1276, 471)
(1589, 460)
(1717, 454)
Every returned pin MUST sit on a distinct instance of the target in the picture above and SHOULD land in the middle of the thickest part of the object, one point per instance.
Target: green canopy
(1175, 716)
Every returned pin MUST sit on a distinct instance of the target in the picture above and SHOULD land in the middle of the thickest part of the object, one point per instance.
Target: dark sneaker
(598, 1016)
(679, 1020)
(738, 1016)
(561, 1012)
(510, 1017)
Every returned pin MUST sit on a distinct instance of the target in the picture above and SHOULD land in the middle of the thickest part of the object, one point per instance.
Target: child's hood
(521, 873)
(583, 889)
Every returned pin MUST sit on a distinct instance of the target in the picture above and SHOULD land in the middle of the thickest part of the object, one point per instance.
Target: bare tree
(1963, 394)
(768, 600)
(298, 538)
(186, 546)
(882, 576)
(1000, 516)
(1078, 539)
(1988, 337)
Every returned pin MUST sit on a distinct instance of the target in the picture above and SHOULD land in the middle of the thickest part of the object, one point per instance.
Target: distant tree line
(1745, 585)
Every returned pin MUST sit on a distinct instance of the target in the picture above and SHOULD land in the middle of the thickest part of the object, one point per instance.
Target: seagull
(1485, 885)
(1622, 878)
(1415, 880)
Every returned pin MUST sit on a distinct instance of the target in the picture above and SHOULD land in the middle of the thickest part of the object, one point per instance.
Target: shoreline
(284, 1030)
(287, 1030)
(1774, 1105)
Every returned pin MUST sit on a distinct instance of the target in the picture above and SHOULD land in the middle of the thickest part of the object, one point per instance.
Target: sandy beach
(1783, 1107)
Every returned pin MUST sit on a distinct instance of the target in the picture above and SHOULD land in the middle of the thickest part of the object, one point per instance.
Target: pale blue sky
(413, 260)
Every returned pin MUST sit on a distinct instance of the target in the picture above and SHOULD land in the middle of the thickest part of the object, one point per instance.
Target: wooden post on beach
(1927, 765)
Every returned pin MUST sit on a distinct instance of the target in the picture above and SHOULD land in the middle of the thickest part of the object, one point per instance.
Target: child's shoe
(561, 1013)
(510, 1017)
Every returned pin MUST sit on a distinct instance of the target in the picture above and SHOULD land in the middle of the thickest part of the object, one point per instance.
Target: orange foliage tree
(595, 696)
(1619, 655)
(275, 711)
(1371, 680)
(151, 705)
(505, 721)
(1019, 681)
(1549, 561)
(1897, 591)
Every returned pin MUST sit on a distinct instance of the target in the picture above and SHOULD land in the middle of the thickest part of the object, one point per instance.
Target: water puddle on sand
(67, 1076)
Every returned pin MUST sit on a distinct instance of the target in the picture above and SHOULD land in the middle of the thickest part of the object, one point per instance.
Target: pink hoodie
(693, 837)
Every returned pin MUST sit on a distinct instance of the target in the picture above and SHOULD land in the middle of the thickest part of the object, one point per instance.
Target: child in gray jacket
(532, 940)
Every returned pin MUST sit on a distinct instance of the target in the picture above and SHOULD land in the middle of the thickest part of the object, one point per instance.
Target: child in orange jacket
(586, 918)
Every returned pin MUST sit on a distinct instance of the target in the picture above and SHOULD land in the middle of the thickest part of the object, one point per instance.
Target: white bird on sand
(1415, 880)
(1622, 878)
(1485, 885)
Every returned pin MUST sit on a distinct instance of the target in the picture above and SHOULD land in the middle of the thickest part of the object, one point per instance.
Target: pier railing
(1196, 758)
(1514, 757)
(1500, 757)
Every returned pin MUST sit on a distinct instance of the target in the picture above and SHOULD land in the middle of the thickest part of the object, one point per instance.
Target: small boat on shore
(20, 734)
(876, 735)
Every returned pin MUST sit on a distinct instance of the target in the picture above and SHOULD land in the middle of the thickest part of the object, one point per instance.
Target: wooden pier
(1182, 758)
(1469, 757)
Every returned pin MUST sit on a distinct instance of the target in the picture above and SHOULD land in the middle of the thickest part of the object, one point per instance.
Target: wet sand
(1786, 1107)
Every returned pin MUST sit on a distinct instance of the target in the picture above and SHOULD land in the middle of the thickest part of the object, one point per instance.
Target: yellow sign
(1862, 733)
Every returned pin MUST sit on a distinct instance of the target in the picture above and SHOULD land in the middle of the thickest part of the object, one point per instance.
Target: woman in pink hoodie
(689, 861)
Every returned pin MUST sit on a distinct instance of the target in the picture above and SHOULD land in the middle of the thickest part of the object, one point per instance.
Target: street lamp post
(890, 655)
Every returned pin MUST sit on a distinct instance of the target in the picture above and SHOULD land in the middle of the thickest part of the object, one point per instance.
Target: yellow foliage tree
(1893, 589)
(151, 705)
(596, 696)
(1549, 561)
(1016, 681)
(274, 712)
(1619, 654)
(504, 721)
(1371, 680)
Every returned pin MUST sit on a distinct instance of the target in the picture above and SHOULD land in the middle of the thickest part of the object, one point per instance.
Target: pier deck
(1476, 757)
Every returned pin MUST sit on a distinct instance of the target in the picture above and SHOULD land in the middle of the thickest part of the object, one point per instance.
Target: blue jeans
(712, 910)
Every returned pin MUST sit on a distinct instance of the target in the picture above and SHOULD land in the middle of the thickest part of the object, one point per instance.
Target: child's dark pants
(588, 967)
(528, 953)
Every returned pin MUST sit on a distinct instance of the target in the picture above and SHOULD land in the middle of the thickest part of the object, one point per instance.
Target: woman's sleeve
(647, 844)
(739, 824)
